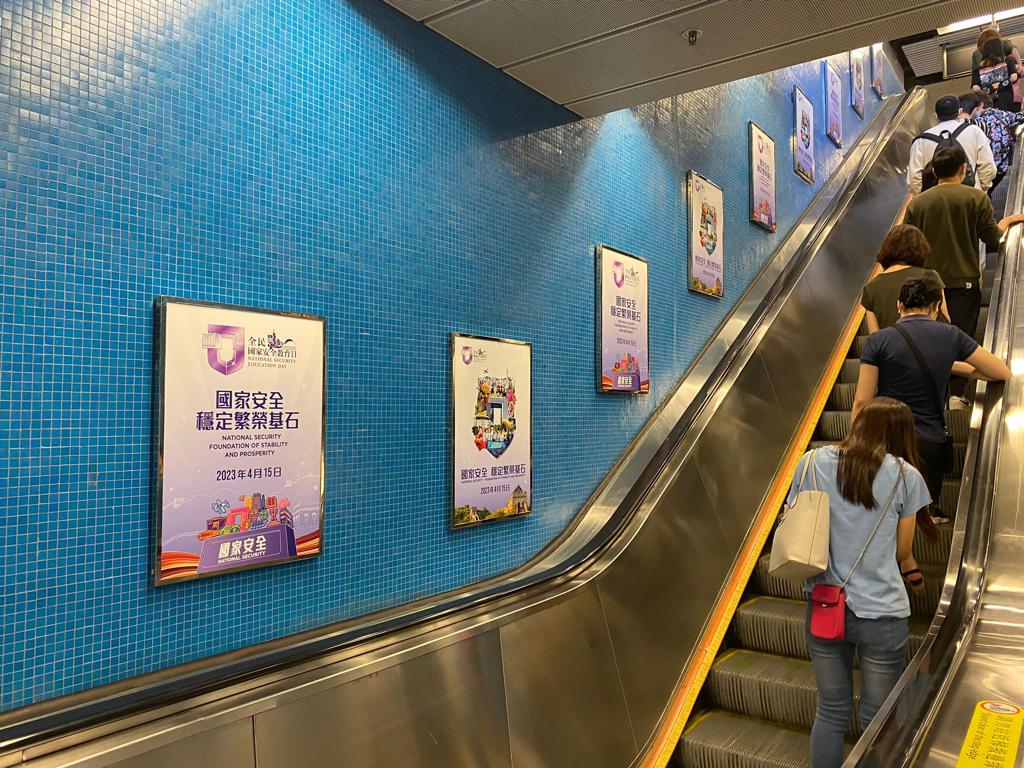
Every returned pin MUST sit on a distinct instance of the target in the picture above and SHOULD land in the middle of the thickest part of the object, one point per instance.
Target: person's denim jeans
(882, 646)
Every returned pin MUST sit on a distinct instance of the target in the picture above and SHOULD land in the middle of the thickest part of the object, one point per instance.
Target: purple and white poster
(858, 82)
(878, 70)
(803, 136)
(762, 179)
(241, 438)
(623, 361)
(707, 246)
(833, 105)
(492, 449)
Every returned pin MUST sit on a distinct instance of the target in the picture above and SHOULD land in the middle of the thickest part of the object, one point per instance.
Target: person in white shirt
(973, 140)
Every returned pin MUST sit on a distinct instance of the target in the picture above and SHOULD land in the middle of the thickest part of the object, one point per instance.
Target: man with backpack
(952, 131)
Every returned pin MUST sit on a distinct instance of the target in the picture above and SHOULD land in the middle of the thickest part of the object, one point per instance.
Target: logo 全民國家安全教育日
(228, 349)
(622, 275)
(469, 354)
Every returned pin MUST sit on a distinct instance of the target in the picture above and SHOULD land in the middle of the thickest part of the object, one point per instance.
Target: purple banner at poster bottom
(253, 547)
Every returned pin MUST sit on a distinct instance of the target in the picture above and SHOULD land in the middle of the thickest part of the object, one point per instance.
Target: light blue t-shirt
(876, 588)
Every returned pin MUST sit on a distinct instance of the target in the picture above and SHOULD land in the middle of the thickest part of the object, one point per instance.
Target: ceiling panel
(594, 56)
(925, 56)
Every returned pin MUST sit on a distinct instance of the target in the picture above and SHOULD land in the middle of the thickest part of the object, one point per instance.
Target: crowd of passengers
(884, 480)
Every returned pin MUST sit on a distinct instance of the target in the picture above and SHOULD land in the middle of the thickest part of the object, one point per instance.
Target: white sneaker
(958, 403)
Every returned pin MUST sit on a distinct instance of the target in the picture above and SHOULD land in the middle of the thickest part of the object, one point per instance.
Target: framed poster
(857, 82)
(623, 362)
(878, 70)
(492, 440)
(833, 104)
(762, 178)
(707, 214)
(803, 136)
(240, 437)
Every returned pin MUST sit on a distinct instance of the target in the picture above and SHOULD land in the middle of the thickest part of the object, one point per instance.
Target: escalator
(757, 706)
(593, 653)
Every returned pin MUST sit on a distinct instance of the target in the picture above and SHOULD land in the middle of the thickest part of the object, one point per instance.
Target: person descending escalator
(874, 491)
(912, 361)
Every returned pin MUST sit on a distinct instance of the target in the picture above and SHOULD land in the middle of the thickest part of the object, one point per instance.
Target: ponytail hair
(920, 293)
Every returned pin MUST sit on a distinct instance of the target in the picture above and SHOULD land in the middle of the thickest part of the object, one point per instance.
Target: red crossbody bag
(828, 601)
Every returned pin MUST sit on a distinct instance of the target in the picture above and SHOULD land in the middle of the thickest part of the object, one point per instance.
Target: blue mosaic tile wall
(339, 159)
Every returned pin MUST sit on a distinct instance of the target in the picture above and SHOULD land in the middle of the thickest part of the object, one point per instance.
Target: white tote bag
(800, 548)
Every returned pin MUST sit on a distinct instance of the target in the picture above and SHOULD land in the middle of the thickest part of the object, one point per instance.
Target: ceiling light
(1009, 14)
(977, 21)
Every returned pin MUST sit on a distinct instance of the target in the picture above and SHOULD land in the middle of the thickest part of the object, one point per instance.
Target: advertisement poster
(803, 136)
(878, 70)
(241, 438)
(623, 360)
(707, 217)
(833, 104)
(492, 441)
(858, 82)
(762, 178)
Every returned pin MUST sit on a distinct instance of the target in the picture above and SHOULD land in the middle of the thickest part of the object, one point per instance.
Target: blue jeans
(882, 646)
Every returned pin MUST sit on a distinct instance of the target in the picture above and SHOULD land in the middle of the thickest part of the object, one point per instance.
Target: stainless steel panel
(654, 610)
(229, 746)
(565, 700)
(446, 708)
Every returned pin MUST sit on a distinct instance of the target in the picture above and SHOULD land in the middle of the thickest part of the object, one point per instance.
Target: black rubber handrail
(22, 728)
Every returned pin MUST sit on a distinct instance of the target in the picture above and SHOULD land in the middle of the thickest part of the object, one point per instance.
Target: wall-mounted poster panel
(707, 247)
(878, 70)
(833, 104)
(762, 178)
(858, 81)
(241, 438)
(803, 136)
(623, 359)
(492, 450)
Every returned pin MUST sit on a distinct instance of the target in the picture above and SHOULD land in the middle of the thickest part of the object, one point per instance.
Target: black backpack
(943, 140)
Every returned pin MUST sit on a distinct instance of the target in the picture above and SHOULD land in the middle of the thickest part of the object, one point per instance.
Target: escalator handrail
(33, 724)
(898, 729)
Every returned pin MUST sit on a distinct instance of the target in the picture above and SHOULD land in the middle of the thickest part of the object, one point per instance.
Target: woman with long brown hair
(875, 492)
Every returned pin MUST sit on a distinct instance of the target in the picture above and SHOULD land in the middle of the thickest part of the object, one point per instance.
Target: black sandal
(916, 585)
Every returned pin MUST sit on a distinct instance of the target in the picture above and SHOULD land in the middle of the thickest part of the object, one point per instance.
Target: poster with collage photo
(857, 82)
(707, 247)
(833, 104)
(803, 136)
(763, 211)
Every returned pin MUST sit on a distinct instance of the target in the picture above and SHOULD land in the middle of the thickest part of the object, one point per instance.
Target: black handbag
(946, 457)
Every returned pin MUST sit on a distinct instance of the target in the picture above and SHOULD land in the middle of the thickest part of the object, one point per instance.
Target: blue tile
(333, 158)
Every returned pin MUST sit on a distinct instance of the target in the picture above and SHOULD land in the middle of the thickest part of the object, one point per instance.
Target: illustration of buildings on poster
(623, 359)
(707, 248)
(241, 438)
(491, 430)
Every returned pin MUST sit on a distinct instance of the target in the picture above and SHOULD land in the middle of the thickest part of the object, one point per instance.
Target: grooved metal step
(849, 372)
(857, 347)
(934, 551)
(717, 739)
(776, 688)
(833, 425)
(776, 626)
(841, 397)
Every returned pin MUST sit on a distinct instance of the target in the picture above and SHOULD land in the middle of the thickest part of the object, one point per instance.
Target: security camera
(693, 35)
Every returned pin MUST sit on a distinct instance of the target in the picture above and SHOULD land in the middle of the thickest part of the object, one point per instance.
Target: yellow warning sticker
(993, 736)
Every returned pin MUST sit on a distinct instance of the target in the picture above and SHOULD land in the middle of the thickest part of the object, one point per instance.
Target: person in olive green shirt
(901, 257)
(954, 217)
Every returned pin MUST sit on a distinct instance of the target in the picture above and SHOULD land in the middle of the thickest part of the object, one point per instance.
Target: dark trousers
(931, 455)
(964, 305)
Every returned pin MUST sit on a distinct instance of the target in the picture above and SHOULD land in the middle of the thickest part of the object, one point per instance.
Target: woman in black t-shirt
(901, 258)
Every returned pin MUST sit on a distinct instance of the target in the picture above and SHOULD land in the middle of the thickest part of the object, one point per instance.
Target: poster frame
(857, 100)
(452, 347)
(797, 95)
(828, 70)
(877, 69)
(689, 232)
(751, 128)
(599, 328)
(160, 304)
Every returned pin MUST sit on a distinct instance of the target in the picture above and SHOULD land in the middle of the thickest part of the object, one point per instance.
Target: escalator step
(841, 397)
(958, 422)
(849, 372)
(937, 551)
(950, 492)
(857, 347)
(833, 425)
(979, 336)
(719, 739)
(775, 688)
(959, 455)
(776, 626)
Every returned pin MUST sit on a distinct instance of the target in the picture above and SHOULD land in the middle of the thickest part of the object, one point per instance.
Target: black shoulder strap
(924, 372)
(930, 137)
(962, 127)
